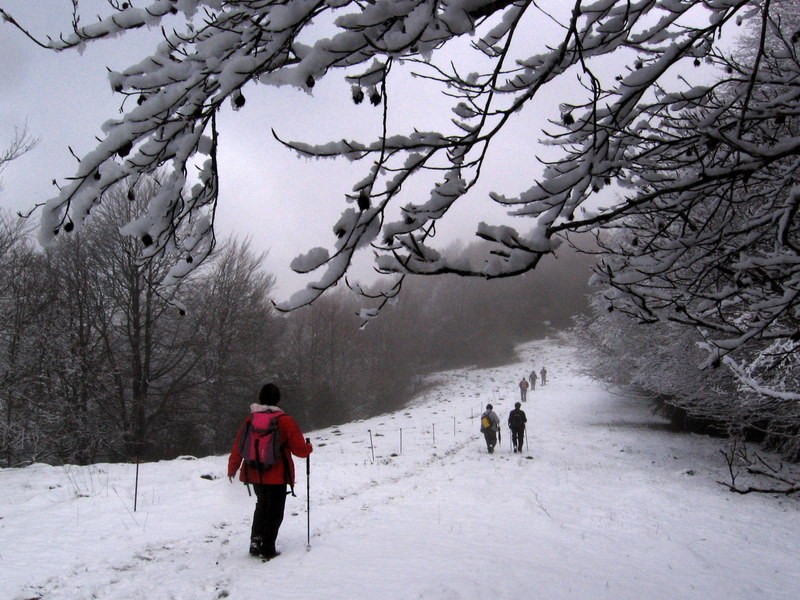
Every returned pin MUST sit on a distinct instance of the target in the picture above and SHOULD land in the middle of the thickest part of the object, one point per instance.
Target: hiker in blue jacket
(490, 425)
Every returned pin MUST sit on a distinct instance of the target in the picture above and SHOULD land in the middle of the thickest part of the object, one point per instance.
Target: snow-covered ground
(604, 504)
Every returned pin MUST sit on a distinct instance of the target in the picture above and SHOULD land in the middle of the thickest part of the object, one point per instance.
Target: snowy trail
(604, 504)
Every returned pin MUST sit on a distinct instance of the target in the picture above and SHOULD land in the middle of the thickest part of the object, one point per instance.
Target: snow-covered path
(604, 504)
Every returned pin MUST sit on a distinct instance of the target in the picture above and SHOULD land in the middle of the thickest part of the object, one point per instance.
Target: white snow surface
(604, 503)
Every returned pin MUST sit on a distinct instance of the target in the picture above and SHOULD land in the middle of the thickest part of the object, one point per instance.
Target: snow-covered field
(604, 504)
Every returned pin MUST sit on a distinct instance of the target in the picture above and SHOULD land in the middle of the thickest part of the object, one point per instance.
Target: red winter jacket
(292, 442)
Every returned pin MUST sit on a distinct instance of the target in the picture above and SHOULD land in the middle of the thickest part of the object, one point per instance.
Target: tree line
(99, 363)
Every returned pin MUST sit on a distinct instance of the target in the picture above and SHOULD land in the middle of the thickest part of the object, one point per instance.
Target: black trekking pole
(136, 485)
(308, 499)
(526, 439)
(371, 446)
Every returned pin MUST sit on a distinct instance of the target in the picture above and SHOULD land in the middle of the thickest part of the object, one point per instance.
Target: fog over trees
(96, 365)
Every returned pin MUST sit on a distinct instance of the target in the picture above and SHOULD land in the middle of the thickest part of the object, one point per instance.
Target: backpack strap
(286, 464)
(284, 459)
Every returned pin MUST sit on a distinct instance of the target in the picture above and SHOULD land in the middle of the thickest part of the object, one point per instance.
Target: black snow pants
(268, 516)
(491, 439)
(517, 438)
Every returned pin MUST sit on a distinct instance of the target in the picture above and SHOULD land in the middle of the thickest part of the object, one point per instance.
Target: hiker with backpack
(263, 449)
(490, 425)
(533, 380)
(543, 374)
(516, 422)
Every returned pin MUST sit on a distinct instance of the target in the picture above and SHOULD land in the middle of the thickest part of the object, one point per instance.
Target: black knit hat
(489, 407)
(269, 395)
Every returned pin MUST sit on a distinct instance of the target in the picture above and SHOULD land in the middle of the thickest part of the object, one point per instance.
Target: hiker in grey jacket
(523, 389)
(490, 425)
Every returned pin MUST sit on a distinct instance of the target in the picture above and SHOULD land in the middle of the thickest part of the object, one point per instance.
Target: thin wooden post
(371, 445)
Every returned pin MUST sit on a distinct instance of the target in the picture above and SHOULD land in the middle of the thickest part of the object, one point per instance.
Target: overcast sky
(285, 204)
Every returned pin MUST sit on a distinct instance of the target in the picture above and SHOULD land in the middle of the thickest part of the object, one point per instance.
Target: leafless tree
(238, 340)
(22, 143)
(18, 264)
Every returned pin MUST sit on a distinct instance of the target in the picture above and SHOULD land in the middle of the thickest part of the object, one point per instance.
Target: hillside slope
(604, 504)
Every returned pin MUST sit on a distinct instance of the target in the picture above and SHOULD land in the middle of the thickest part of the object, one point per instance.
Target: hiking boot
(255, 546)
(267, 551)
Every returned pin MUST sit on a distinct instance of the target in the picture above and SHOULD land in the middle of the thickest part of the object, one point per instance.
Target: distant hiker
(533, 380)
(490, 425)
(269, 475)
(523, 389)
(543, 373)
(516, 422)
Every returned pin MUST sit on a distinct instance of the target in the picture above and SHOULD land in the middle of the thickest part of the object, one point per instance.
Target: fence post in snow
(454, 426)
(136, 485)
(433, 428)
(401, 440)
(371, 445)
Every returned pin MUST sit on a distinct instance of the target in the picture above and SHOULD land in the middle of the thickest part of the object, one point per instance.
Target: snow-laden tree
(691, 145)
(713, 240)
(657, 361)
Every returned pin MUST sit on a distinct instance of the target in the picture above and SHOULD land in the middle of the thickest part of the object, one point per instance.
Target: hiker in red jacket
(269, 484)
